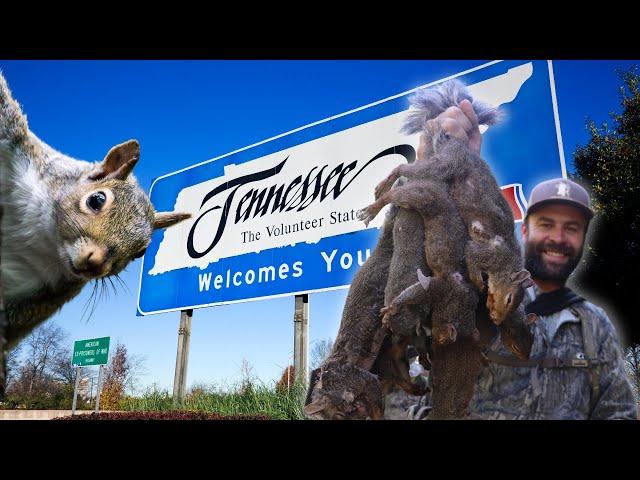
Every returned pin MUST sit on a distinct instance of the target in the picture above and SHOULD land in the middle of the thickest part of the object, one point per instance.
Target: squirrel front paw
(367, 214)
(387, 313)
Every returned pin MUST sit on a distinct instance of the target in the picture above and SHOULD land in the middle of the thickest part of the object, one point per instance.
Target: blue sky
(185, 112)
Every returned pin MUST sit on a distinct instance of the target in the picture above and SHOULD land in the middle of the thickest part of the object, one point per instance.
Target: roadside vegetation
(41, 377)
(248, 397)
(257, 400)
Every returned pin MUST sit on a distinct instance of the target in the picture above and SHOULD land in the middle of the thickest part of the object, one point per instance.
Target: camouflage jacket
(535, 393)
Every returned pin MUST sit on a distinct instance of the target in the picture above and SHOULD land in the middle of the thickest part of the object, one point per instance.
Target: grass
(245, 400)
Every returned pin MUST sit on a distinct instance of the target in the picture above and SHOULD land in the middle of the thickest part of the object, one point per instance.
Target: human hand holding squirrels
(460, 122)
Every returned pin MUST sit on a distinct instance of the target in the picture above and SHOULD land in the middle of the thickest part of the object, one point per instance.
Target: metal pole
(301, 337)
(75, 390)
(99, 388)
(91, 391)
(182, 357)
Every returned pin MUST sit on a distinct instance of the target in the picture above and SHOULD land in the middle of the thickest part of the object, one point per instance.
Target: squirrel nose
(92, 259)
(95, 258)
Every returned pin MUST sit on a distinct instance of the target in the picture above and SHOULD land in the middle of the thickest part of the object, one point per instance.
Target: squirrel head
(515, 332)
(505, 293)
(106, 220)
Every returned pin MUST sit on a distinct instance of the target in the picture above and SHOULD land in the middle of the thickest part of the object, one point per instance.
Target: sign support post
(93, 351)
(182, 357)
(99, 388)
(75, 390)
(301, 337)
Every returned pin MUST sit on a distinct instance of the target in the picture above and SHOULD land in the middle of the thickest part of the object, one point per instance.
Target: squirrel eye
(140, 253)
(509, 299)
(96, 201)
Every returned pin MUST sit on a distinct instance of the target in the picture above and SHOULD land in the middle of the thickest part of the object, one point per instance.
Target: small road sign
(94, 351)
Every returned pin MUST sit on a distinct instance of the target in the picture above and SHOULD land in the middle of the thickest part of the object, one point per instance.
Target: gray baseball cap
(560, 190)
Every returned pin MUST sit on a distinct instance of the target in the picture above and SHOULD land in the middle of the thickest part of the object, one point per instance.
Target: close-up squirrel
(66, 221)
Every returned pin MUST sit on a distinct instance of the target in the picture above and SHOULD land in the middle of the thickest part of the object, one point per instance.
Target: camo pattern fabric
(536, 393)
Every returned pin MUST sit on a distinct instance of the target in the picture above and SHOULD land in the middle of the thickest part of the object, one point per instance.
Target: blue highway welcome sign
(279, 217)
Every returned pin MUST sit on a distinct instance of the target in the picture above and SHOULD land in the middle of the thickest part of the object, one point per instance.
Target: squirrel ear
(424, 281)
(315, 407)
(167, 219)
(118, 163)
(523, 277)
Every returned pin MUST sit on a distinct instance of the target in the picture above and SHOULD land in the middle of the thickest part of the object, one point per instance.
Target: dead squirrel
(456, 360)
(360, 337)
(408, 231)
(474, 191)
(444, 238)
(66, 221)
(362, 345)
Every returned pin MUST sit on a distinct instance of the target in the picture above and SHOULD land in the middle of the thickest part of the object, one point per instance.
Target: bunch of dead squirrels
(445, 277)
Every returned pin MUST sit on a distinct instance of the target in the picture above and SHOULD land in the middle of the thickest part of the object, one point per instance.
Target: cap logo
(563, 190)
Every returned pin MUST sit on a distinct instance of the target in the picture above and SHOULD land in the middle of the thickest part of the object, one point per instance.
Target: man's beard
(541, 270)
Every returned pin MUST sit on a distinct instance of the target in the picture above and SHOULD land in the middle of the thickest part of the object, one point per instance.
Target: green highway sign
(94, 351)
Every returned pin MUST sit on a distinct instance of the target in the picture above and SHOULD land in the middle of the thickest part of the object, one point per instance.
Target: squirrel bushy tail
(14, 128)
(428, 103)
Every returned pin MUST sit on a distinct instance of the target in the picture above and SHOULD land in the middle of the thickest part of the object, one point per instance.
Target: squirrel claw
(365, 215)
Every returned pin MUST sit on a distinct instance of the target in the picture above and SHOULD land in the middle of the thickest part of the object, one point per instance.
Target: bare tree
(63, 370)
(137, 368)
(41, 348)
(40, 370)
(320, 351)
(62, 367)
(248, 377)
(13, 365)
